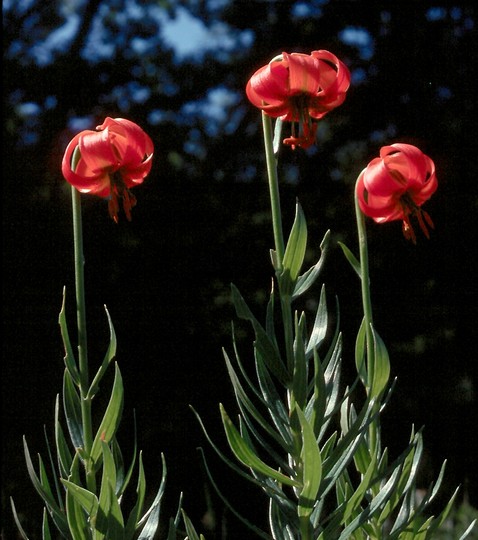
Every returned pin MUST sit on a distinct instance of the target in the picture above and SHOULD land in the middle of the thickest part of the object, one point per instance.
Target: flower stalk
(82, 334)
(271, 162)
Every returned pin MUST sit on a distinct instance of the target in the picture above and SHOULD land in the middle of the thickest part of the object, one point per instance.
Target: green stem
(368, 317)
(274, 190)
(366, 300)
(82, 334)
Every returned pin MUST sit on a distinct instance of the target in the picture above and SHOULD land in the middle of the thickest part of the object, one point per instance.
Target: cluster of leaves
(78, 507)
(289, 438)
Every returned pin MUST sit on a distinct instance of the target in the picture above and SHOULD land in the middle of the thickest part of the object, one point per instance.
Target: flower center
(119, 190)
(410, 208)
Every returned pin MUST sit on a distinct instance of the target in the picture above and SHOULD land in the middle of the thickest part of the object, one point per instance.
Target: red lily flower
(109, 161)
(300, 88)
(395, 185)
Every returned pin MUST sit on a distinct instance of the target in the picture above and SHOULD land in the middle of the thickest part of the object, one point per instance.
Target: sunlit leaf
(111, 418)
(294, 253)
(246, 456)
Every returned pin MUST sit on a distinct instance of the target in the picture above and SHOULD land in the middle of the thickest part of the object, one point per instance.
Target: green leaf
(111, 418)
(72, 408)
(360, 353)
(69, 359)
(315, 410)
(246, 456)
(352, 259)
(277, 141)
(46, 534)
(246, 404)
(319, 330)
(17, 521)
(300, 374)
(381, 372)
(312, 467)
(110, 354)
(353, 501)
(110, 519)
(267, 348)
(135, 513)
(78, 525)
(44, 492)
(307, 279)
(294, 253)
(62, 449)
(190, 530)
(82, 496)
(153, 514)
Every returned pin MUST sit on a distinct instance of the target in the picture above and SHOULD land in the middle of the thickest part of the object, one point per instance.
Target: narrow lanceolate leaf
(263, 343)
(110, 519)
(151, 517)
(294, 253)
(300, 374)
(135, 513)
(353, 502)
(110, 354)
(247, 456)
(351, 258)
(190, 530)
(311, 465)
(72, 407)
(307, 279)
(111, 419)
(23, 534)
(62, 449)
(46, 534)
(319, 330)
(360, 353)
(277, 141)
(83, 497)
(44, 492)
(70, 361)
(78, 519)
(382, 365)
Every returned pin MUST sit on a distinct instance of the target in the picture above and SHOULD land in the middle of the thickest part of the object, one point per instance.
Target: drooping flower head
(109, 161)
(395, 185)
(300, 88)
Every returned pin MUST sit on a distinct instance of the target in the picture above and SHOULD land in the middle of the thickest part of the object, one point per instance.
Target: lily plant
(301, 435)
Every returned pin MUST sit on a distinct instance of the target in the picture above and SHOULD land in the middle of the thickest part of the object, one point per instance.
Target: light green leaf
(110, 354)
(135, 513)
(246, 455)
(83, 497)
(267, 348)
(382, 365)
(78, 526)
(360, 353)
(307, 279)
(190, 530)
(111, 419)
(312, 467)
(72, 408)
(300, 373)
(17, 521)
(46, 534)
(152, 516)
(277, 141)
(294, 253)
(69, 359)
(62, 449)
(319, 330)
(352, 259)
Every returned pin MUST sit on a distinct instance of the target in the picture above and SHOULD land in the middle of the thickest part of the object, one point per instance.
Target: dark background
(203, 221)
